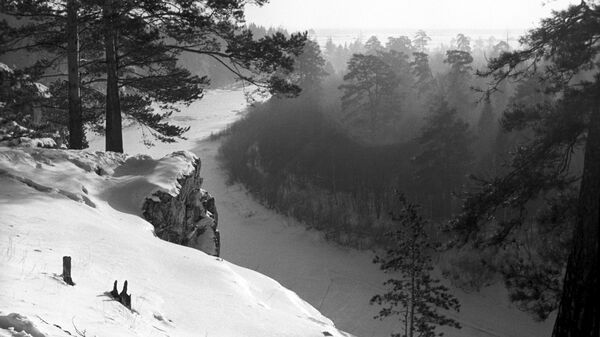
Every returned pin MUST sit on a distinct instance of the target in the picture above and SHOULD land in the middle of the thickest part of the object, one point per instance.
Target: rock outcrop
(189, 218)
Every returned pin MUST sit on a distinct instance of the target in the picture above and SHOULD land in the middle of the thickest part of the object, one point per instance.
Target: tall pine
(413, 295)
(562, 52)
(444, 157)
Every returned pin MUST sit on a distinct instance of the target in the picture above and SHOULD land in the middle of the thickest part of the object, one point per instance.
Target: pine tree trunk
(76, 135)
(114, 136)
(412, 307)
(412, 285)
(579, 310)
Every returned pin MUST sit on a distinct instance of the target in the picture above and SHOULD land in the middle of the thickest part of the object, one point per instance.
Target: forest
(494, 143)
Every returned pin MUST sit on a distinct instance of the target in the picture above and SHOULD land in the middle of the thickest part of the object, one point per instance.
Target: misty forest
(193, 168)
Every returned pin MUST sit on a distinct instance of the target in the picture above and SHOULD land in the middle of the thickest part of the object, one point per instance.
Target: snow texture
(58, 203)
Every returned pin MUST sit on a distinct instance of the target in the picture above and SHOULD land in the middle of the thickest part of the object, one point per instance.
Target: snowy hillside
(55, 203)
(337, 281)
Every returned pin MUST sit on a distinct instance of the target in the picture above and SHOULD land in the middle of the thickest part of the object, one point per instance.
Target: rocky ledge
(188, 218)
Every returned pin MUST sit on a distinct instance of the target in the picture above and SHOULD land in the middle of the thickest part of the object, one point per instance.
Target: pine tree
(563, 53)
(52, 29)
(463, 43)
(422, 71)
(487, 129)
(330, 48)
(401, 44)
(487, 123)
(373, 46)
(131, 50)
(414, 295)
(445, 156)
(309, 67)
(458, 78)
(369, 88)
(420, 41)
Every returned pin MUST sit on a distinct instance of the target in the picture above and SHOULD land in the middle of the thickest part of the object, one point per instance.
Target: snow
(37, 142)
(18, 325)
(336, 280)
(213, 113)
(178, 291)
(41, 90)
(56, 203)
(6, 69)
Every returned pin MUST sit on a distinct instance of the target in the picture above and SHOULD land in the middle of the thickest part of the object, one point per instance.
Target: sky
(408, 14)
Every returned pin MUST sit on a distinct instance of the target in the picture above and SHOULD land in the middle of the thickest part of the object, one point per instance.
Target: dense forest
(396, 119)
(488, 139)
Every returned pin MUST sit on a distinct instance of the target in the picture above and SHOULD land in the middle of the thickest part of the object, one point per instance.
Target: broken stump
(67, 271)
(122, 297)
(114, 293)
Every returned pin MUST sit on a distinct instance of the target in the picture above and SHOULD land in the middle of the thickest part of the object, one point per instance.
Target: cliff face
(189, 218)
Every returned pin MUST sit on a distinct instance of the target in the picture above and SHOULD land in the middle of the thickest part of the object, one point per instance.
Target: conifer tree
(457, 81)
(487, 129)
(152, 34)
(487, 120)
(424, 80)
(52, 30)
(309, 67)
(445, 156)
(401, 44)
(132, 48)
(563, 53)
(413, 295)
(373, 46)
(369, 89)
(463, 43)
(420, 41)
(330, 48)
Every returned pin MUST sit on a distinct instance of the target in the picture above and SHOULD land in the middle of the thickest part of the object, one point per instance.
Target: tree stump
(115, 293)
(67, 271)
(122, 297)
(125, 299)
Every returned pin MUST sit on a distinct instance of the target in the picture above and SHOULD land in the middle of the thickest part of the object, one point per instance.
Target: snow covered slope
(337, 281)
(56, 203)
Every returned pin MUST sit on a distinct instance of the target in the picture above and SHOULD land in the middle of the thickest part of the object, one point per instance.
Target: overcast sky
(409, 14)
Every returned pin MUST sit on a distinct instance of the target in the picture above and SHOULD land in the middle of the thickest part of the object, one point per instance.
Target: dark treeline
(499, 146)
(386, 123)
(296, 161)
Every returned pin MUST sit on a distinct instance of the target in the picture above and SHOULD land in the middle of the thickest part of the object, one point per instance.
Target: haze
(431, 14)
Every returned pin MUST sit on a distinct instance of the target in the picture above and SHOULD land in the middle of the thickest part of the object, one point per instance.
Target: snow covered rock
(56, 203)
(16, 325)
(45, 142)
(189, 217)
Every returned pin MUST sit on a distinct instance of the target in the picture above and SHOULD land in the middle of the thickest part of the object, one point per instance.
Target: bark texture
(76, 135)
(579, 311)
(114, 136)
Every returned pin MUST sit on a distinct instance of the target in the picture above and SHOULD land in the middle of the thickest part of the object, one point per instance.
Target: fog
(431, 14)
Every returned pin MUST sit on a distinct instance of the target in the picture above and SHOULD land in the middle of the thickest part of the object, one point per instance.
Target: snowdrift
(56, 203)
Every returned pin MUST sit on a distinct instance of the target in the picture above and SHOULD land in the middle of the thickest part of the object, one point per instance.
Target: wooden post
(67, 271)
